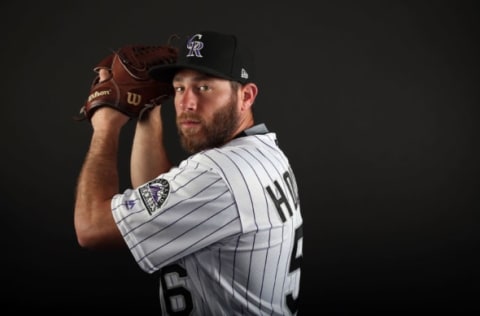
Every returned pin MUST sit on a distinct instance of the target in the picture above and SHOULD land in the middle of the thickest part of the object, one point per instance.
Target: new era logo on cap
(244, 74)
(216, 54)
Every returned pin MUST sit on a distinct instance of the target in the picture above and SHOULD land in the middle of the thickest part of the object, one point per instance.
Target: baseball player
(222, 230)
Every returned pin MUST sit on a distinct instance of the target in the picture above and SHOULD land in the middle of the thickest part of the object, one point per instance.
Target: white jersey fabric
(223, 230)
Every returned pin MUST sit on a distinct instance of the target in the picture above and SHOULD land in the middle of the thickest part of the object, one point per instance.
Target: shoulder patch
(154, 194)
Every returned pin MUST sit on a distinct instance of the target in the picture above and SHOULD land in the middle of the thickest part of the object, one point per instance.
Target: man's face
(207, 110)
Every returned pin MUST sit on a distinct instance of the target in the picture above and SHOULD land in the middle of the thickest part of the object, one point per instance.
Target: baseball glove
(129, 89)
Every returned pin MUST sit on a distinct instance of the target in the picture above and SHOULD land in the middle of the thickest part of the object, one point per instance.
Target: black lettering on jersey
(295, 264)
(279, 201)
(176, 293)
(291, 184)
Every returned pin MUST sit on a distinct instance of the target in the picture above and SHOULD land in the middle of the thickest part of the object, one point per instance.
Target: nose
(187, 100)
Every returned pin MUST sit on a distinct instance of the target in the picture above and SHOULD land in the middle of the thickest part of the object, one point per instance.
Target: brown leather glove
(129, 88)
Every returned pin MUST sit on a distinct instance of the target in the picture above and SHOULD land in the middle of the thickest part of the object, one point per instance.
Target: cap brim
(167, 72)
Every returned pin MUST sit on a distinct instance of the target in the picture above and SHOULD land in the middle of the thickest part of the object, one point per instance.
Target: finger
(103, 74)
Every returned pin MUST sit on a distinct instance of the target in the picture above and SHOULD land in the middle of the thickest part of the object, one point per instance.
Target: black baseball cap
(213, 53)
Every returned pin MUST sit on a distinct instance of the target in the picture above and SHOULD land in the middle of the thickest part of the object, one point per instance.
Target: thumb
(103, 74)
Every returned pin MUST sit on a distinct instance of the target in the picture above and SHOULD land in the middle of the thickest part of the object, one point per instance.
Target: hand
(106, 117)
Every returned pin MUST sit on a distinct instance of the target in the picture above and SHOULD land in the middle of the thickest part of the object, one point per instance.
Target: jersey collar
(254, 130)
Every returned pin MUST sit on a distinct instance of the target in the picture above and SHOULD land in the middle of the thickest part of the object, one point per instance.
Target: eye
(178, 89)
(203, 88)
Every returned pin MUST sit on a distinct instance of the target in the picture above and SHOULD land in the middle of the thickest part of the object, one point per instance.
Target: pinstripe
(202, 285)
(218, 152)
(289, 249)
(179, 170)
(273, 165)
(270, 222)
(193, 227)
(190, 181)
(233, 266)
(254, 216)
(204, 237)
(188, 247)
(276, 272)
(251, 202)
(219, 264)
(253, 244)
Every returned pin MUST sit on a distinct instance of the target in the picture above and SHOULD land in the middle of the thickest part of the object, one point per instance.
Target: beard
(210, 134)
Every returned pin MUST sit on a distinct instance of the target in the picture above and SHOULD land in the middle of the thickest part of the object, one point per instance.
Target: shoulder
(236, 154)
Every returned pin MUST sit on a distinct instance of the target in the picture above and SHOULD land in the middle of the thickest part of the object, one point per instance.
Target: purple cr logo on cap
(194, 46)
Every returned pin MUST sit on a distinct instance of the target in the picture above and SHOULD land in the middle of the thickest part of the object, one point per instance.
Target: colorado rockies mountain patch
(154, 194)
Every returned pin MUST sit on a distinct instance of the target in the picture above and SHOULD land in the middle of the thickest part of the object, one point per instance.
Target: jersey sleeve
(176, 214)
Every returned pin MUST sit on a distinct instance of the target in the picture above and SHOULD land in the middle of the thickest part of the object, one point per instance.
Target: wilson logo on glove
(133, 98)
(97, 94)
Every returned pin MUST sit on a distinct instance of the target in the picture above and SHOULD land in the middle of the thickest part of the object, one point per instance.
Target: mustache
(189, 117)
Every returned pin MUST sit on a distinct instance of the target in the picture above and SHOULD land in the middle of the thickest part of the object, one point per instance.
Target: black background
(375, 102)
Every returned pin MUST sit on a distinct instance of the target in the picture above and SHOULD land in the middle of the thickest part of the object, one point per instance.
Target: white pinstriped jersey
(223, 230)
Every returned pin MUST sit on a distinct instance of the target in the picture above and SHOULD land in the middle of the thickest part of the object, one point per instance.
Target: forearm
(97, 184)
(148, 158)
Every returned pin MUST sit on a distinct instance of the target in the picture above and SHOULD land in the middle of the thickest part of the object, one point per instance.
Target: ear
(249, 92)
